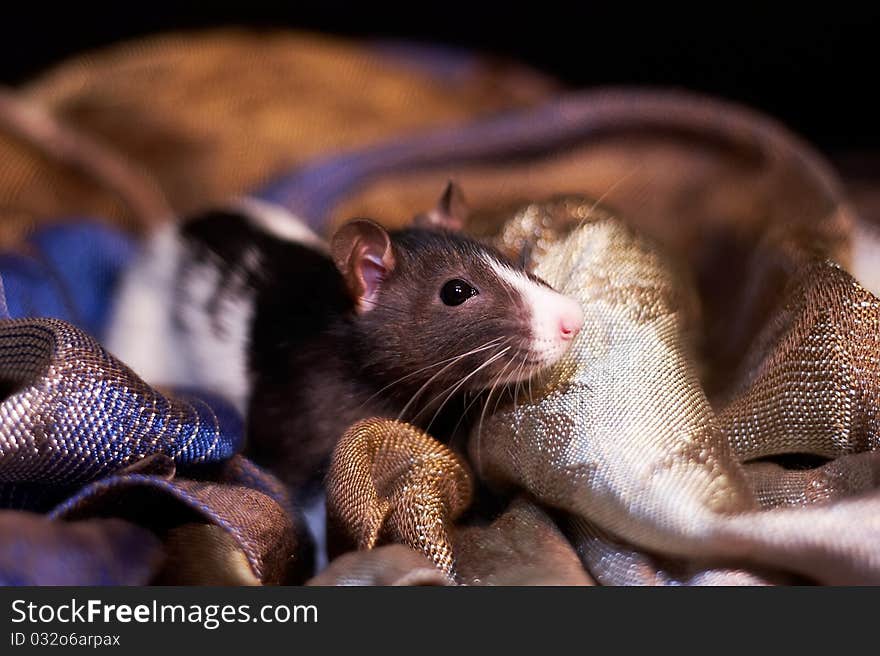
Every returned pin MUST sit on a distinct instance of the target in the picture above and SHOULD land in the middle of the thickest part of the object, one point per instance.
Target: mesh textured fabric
(260, 530)
(776, 486)
(813, 383)
(616, 563)
(82, 437)
(650, 442)
(73, 413)
(391, 564)
(621, 434)
(389, 481)
(522, 546)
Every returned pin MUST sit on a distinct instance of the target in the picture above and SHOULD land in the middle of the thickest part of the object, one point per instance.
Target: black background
(815, 68)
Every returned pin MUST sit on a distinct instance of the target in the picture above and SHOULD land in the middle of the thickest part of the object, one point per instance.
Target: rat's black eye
(456, 292)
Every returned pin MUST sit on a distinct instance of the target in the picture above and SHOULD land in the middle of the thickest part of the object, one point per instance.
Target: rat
(307, 337)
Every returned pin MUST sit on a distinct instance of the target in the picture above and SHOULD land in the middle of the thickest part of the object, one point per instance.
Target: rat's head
(442, 309)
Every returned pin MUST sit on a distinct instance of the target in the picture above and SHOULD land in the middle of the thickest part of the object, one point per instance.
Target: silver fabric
(620, 434)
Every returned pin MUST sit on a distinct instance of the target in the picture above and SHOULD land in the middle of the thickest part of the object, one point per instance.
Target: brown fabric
(621, 433)
(265, 533)
(848, 475)
(82, 437)
(208, 115)
(523, 546)
(717, 334)
(731, 213)
(204, 554)
(390, 565)
(812, 382)
(390, 482)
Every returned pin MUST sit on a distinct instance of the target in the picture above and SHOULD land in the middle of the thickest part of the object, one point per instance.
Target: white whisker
(479, 462)
(459, 384)
(482, 347)
(434, 377)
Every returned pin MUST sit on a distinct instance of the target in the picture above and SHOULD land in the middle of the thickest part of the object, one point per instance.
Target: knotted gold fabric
(391, 482)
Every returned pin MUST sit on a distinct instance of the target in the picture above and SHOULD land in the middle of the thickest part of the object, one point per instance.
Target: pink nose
(571, 321)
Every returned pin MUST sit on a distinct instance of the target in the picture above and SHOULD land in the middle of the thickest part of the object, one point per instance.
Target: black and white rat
(306, 337)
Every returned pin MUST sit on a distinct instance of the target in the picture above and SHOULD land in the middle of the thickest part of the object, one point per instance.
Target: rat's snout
(556, 321)
(571, 318)
(551, 322)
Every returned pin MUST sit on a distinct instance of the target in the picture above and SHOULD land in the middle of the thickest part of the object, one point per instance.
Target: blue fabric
(67, 271)
(82, 415)
(91, 439)
(89, 423)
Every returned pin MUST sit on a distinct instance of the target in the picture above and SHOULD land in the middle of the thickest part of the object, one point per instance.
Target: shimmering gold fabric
(616, 563)
(812, 382)
(208, 115)
(848, 475)
(621, 434)
(392, 564)
(523, 546)
(737, 199)
(644, 453)
(389, 481)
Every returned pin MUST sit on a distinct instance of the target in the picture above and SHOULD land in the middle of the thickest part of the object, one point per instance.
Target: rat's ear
(451, 211)
(362, 252)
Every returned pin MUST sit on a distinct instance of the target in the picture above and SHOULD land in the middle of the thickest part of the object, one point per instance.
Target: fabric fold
(84, 440)
(389, 481)
(621, 434)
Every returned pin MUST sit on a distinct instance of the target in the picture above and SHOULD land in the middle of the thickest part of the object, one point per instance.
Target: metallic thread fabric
(389, 481)
(219, 112)
(621, 434)
(651, 453)
(74, 413)
(391, 564)
(617, 563)
(522, 546)
(82, 437)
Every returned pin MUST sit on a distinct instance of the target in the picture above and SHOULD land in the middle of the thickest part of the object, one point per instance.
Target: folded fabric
(202, 116)
(37, 551)
(621, 433)
(739, 202)
(73, 413)
(650, 483)
(82, 437)
(67, 271)
(522, 546)
(389, 565)
(389, 481)
(714, 424)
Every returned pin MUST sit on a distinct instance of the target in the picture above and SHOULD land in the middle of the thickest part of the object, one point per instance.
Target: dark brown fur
(307, 390)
